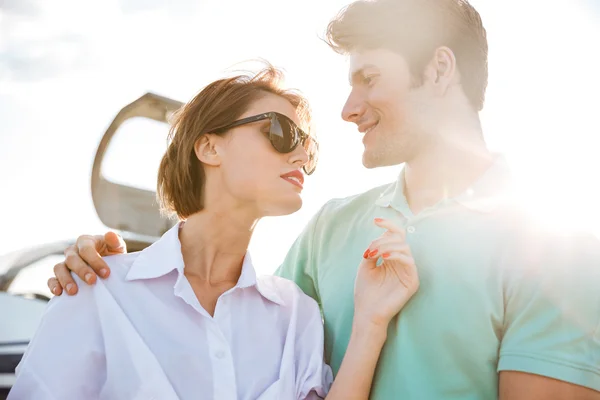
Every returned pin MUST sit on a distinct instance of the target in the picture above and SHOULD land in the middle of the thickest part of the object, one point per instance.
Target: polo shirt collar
(485, 195)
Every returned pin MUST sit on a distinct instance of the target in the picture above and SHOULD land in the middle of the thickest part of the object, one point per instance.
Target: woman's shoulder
(120, 264)
(286, 293)
(122, 259)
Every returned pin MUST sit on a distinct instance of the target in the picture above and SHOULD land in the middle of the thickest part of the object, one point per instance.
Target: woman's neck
(214, 243)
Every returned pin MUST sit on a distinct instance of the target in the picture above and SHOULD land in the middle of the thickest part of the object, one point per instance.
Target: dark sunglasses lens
(283, 135)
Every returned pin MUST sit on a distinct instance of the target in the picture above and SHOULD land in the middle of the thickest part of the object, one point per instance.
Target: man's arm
(523, 386)
(551, 344)
(65, 359)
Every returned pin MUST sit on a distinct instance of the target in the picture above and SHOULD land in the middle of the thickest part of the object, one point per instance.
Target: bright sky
(67, 66)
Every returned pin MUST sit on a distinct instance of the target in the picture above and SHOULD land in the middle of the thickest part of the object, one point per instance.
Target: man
(504, 310)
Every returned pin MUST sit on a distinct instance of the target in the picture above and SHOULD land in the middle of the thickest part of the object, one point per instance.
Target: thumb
(369, 260)
(114, 242)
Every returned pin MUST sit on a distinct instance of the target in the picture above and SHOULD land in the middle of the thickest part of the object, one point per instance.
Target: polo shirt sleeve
(65, 358)
(299, 264)
(552, 310)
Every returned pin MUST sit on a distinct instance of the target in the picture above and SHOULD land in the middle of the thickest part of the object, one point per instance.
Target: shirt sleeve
(552, 310)
(65, 358)
(298, 265)
(313, 376)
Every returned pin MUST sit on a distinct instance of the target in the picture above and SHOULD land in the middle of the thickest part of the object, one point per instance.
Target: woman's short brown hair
(181, 177)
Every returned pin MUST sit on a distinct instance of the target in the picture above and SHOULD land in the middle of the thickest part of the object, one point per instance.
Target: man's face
(386, 108)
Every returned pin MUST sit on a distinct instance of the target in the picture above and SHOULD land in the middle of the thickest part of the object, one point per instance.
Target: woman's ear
(206, 150)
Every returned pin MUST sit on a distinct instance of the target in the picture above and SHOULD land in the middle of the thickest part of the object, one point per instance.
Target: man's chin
(370, 166)
(371, 161)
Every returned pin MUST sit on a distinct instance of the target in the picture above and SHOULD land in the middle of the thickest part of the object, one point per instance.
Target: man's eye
(369, 80)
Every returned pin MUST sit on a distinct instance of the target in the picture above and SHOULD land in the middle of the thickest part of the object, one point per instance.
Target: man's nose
(354, 107)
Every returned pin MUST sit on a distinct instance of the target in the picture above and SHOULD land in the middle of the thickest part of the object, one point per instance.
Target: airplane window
(134, 154)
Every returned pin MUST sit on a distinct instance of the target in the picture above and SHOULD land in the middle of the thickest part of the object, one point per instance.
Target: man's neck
(444, 172)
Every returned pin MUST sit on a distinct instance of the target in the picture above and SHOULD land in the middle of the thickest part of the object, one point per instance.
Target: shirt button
(410, 229)
(220, 354)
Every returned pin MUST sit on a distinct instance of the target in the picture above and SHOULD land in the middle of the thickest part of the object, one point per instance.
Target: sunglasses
(284, 136)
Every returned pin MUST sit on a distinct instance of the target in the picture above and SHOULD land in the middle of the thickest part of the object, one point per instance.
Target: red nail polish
(378, 220)
(366, 253)
(385, 255)
(373, 253)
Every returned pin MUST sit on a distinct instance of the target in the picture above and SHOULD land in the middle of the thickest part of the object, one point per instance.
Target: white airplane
(131, 211)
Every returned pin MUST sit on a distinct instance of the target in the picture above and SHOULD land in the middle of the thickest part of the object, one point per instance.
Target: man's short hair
(414, 29)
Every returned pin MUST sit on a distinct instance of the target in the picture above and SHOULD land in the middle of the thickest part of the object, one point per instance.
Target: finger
(87, 256)
(402, 265)
(403, 258)
(65, 279)
(370, 258)
(406, 262)
(389, 225)
(55, 286)
(405, 268)
(391, 238)
(74, 263)
(115, 243)
(394, 247)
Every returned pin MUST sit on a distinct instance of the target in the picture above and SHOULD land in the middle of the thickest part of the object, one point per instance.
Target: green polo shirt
(497, 292)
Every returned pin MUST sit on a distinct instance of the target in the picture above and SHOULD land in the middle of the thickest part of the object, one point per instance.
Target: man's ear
(206, 150)
(441, 71)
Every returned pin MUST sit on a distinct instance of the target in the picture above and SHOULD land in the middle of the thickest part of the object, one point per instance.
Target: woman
(187, 318)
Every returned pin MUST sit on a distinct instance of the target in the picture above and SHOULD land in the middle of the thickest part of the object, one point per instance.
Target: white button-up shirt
(142, 334)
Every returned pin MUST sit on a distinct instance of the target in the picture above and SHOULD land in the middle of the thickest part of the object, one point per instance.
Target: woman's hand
(381, 291)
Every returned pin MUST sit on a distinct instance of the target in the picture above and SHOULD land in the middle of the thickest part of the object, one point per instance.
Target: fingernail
(55, 290)
(366, 253)
(378, 220)
(103, 272)
(88, 277)
(385, 255)
(69, 287)
(373, 253)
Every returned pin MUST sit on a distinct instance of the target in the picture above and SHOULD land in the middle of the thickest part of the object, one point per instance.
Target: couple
(187, 317)
(503, 310)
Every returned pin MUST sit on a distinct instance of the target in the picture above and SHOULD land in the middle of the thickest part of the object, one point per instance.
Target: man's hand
(381, 291)
(85, 259)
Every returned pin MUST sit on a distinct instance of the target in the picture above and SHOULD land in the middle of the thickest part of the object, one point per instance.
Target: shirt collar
(164, 256)
(158, 259)
(486, 194)
(264, 286)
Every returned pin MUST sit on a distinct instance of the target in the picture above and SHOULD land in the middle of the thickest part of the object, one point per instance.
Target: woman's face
(252, 173)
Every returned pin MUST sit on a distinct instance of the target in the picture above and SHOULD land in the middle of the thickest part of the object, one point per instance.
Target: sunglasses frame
(270, 115)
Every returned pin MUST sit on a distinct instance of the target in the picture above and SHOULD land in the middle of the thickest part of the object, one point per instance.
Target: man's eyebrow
(359, 73)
